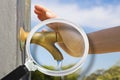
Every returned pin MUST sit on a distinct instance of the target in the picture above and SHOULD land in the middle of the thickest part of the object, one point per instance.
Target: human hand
(44, 13)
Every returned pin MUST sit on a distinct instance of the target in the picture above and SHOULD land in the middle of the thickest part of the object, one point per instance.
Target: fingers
(41, 17)
(43, 13)
(37, 12)
(41, 8)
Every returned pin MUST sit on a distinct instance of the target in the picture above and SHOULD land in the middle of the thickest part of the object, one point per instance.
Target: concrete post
(13, 15)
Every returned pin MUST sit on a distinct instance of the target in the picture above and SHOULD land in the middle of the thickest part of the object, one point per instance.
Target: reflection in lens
(68, 42)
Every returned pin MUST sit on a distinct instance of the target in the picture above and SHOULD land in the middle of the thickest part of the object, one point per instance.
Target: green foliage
(49, 67)
(37, 75)
(111, 74)
(40, 76)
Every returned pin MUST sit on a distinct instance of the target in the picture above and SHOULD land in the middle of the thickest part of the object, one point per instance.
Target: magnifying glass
(58, 51)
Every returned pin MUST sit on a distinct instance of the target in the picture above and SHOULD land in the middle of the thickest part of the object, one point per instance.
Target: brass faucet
(44, 39)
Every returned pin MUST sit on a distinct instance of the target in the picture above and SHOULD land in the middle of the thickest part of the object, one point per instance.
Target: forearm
(104, 41)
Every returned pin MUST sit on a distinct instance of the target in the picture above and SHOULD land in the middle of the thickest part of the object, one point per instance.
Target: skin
(43, 13)
(103, 41)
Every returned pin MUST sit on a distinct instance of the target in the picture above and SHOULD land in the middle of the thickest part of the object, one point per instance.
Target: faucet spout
(44, 39)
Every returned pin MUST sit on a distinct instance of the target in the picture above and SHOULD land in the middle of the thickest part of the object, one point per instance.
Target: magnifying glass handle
(16, 74)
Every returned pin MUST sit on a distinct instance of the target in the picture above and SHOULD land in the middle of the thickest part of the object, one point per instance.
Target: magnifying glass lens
(57, 46)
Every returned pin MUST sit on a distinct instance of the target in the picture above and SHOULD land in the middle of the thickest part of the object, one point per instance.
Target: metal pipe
(45, 39)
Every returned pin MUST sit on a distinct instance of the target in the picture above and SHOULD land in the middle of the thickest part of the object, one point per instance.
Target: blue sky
(92, 15)
(91, 3)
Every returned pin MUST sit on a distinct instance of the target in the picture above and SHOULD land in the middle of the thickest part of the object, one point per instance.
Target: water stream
(59, 68)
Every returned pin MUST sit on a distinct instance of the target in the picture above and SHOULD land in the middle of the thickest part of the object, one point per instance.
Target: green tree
(111, 74)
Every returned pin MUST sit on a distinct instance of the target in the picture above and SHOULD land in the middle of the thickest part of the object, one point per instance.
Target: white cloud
(96, 17)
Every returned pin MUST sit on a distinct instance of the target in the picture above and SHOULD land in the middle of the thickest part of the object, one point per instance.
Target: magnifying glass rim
(63, 72)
